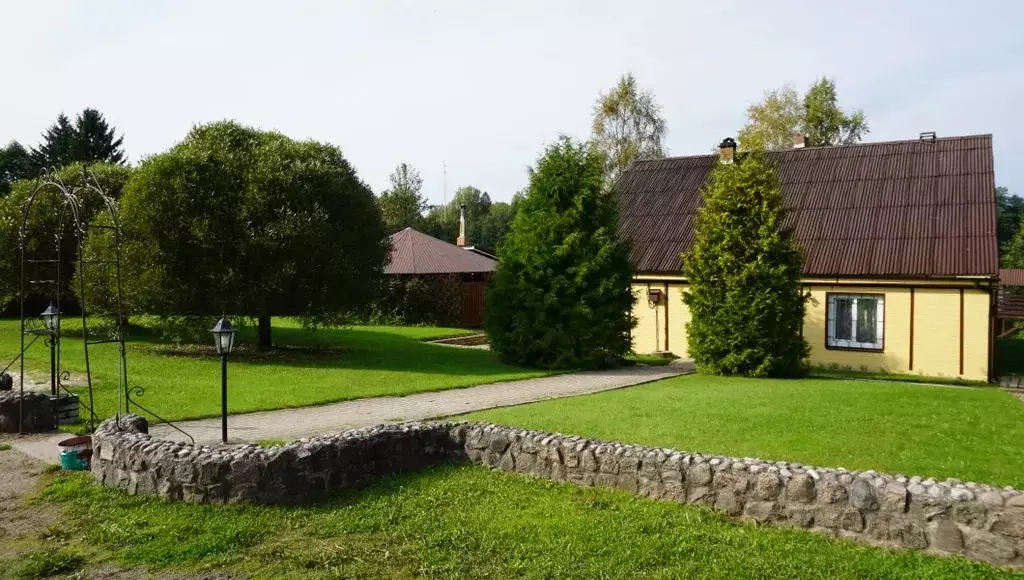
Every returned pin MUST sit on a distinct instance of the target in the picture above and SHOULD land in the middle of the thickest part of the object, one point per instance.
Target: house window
(856, 321)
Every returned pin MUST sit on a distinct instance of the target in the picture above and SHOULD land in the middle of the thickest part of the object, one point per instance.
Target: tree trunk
(264, 333)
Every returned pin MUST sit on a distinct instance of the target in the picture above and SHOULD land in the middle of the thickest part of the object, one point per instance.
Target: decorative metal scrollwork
(138, 391)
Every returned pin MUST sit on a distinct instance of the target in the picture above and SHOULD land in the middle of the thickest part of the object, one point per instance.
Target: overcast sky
(482, 86)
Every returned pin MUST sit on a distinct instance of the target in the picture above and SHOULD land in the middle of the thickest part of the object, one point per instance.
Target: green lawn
(312, 367)
(462, 522)
(968, 433)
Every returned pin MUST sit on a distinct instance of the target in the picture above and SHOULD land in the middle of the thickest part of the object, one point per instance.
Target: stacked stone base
(949, 517)
(33, 410)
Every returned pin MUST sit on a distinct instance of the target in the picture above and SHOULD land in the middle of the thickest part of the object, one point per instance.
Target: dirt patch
(28, 526)
(24, 525)
(472, 340)
(40, 381)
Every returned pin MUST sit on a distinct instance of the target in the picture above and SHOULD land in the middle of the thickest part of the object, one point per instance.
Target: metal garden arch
(71, 205)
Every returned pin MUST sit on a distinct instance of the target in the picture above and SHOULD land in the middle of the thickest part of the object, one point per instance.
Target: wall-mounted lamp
(654, 296)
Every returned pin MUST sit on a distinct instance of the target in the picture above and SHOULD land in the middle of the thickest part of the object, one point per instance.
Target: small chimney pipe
(799, 140)
(461, 241)
(727, 150)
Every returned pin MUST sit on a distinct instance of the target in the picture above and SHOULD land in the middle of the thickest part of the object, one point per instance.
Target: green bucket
(75, 453)
(72, 461)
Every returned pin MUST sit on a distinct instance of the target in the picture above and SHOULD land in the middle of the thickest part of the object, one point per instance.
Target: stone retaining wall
(977, 521)
(127, 458)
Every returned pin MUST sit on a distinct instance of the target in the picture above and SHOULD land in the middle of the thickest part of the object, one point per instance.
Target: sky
(469, 93)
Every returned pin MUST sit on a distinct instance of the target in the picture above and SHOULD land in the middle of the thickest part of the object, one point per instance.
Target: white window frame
(830, 339)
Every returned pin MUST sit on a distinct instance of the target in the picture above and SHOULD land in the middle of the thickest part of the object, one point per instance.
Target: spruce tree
(58, 146)
(561, 297)
(95, 140)
(745, 298)
(89, 140)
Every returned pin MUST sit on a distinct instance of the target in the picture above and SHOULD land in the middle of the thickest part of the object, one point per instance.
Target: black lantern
(51, 318)
(224, 341)
(223, 336)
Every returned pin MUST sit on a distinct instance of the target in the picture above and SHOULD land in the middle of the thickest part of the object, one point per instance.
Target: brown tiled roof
(1011, 276)
(894, 209)
(414, 252)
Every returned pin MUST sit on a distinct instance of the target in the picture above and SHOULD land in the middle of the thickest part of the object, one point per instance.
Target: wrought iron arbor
(41, 272)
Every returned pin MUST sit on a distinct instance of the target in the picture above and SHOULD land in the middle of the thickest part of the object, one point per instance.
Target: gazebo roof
(414, 252)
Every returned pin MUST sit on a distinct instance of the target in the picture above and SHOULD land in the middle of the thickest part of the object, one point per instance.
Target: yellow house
(901, 259)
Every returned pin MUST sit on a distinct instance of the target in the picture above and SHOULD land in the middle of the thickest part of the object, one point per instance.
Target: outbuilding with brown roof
(414, 253)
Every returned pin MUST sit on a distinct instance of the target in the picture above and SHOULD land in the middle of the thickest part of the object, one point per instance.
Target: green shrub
(561, 296)
(744, 270)
(414, 300)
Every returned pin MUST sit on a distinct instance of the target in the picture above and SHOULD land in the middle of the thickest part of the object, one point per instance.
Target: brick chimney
(799, 140)
(727, 150)
(461, 242)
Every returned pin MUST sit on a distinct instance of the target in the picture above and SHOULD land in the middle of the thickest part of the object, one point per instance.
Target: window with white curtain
(856, 321)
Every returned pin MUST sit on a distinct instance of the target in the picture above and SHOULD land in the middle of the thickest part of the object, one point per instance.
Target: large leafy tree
(247, 222)
(402, 205)
(44, 225)
(782, 112)
(772, 122)
(15, 164)
(627, 125)
(744, 271)
(90, 139)
(824, 123)
(1009, 209)
(561, 296)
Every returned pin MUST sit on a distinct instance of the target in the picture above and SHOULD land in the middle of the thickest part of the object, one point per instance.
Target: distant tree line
(403, 205)
(89, 139)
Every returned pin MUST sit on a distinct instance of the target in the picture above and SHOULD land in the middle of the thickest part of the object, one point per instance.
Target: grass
(309, 367)
(469, 522)
(5, 447)
(272, 442)
(829, 373)
(967, 433)
(47, 563)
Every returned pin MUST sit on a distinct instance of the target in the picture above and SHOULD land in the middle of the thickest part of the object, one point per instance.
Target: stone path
(290, 424)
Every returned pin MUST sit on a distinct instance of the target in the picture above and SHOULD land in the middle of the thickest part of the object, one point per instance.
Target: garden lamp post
(224, 340)
(51, 319)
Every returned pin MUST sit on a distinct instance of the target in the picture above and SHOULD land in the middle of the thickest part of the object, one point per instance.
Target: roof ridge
(823, 147)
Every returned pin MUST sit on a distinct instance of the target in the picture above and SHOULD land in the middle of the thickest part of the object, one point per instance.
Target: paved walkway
(290, 424)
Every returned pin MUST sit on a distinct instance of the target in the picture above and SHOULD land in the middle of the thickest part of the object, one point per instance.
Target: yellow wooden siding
(895, 355)
(679, 316)
(648, 334)
(976, 334)
(936, 332)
